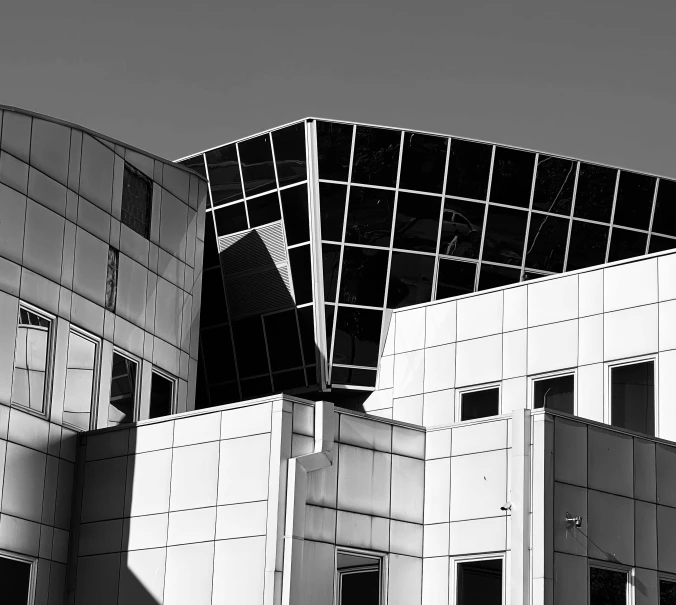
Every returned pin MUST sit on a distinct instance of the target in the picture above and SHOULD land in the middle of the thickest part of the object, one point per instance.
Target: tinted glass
(289, 144)
(555, 394)
(355, 377)
(137, 195)
(281, 330)
(410, 279)
(214, 310)
(334, 142)
(332, 208)
(595, 192)
(230, 219)
(461, 228)
(376, 155)
(307, 333)
(329, 311)
(161, 396)
(256, 387)
(210, 258)
(264, 209)
(505, 234)
(417, 223)
(659, 244)
(219, 361)
(491, 276)
(634, 202)
(587, 247)
(369, 216)
(361, 588)
(554, 185)
(16, 577)
(547, 237)
(480, 404)
(122, 390)
(289, 380)
(330, 264)
(423, 162)
(632, 397)
(664, 220)
(469, 166)
(197, 164)
(512, 177)
(296, 219)
(667, 592)
(225, 182)
(258, 172)
(607, 587)
(249, 347)
(626, 244)
(480, 582)
(357, 337)
(455, 278)
(223, 393)
(363, 278)
(301, 273)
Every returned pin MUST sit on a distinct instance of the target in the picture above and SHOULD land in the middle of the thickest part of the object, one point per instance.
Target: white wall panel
(480, 315)
(440, 323)
(552, 347)
(630, 285)
(630, 332)
(478, 361)
(552, 300)
(410, 332)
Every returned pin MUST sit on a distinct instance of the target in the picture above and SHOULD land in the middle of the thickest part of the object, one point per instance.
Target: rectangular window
(81, 377)
(31, 360)
(16, 580)
(667, 592)
(123, 389)
(607, 586)
(555, 393)
(480, 404)
(359, 579)
(137, 197)
(632, 397)
(479, 582)
(161, 395)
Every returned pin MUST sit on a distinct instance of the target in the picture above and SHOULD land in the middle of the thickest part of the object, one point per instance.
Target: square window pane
(369, 216)
(595, 192)
(632, 397)
(16, 581)
(423, 162)
(469, 166)
(330, 264)
(332, 209)
(363, 277)
(137, 196)
(161, 396)
(225, 182)
(455, 278)
(626, 244)
(554, 185)
(122, 390)
(411, 278)
(492, 276)
(357, 337)
(296, 217)
(376, 156)
(334, 143)
(230, 219)
(555, 393)
(607, 586)
(417, 223)
(664, 220)
(505, 234)
(512, 177)
(634, 202)
(461, 228)
(258, 172)
(264, 209)
(547, 238)
(289, 144)
(282, 334)
(480, 404)
(587, 245)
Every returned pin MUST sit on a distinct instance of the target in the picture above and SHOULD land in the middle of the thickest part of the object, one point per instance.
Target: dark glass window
(329, 311)
(417, 224)
(595, 192)
(632, 397)
(264, 209)
(369, 216)
(376, 155)
(249, 347)
(137, 199)
(587, 246)
(554, 185)
(357, 337)
(332, 208)
(423, 162)
(659, 244)
(161, 396)
(461, 228)
(281, 330)
(296, 218)
(664, 220)
(258, 171)
(16, 580)
(505, 234)
(225, 181)
(455, 278)
(469, 166)
(219, 360)
(411, 278)
(214, 309)
(363, 277)
(230, 219)
(256, 387)
(301, 272)
(289, 144)
(607, 586)
(334, 143)
(122, 390)
(358, 576)
(286, 381)
(223, 393)
(492, 276)
(307, 332)
(210, 245)
(634, 203)
(330, 264)
(111, 278)
(512, 177)
(547, 237)
(667, 592)
(355, 377)
(626, 244)
(480, 404)
(480, 582)
(555, 393)
(196, 163)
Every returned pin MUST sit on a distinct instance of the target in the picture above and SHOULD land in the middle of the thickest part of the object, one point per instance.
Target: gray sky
(593, 80)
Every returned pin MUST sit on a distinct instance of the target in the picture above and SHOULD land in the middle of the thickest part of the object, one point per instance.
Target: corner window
(608, 586)
(137, 196)
(479, 581)
(16, 580)
(81, 378)
(632, 397)
(359, 578)
(161, 395)
(667, 592)
(123, 389)
(480, 403)
(555, 393)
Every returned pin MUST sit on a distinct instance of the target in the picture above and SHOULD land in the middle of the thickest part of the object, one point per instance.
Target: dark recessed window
(363, 277)
(359, 580)
(264, 209)
(587, 246)
(16, 581)
(354, 376)
(480, 582)
(607, 586)
(330, 264)
(667, 592)
(664, 220)
(455, 278)
(595, 192)
(554, 185)
(632, 397)
(505, 235)
(547, 238)
(249, 346)
(111, 278)
(301, 273)
(137, 199)
(225, 181)
(480, 404)
(230, 219)
(332, 208)
(289, 144)
(376, 156)
(423, 162)
(660, 244)
(493, 276)
(258, 172)
(626, 244)
(282, 334)
(369, 216)
(296, 217)
(357, 337)
(461, 227)
(122, 390)
(334, 142)
(512, 177)
(161, 396)
(469, 166)
(411, 278)
(417, 223)
(555, 393)
(634, 203)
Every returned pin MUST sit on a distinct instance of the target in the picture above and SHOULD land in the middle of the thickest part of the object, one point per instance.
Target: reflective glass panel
(225, 182)
(230, 219)
(492, 276)
(258, 171)
(587, 246)
(411, 278)
(632, 397)
(137, 196)
(664, 220)
(31, 351)
(289, 144)
(301, 272)
(555, 393)
(210, 258)
(480, 582)
(667, 592)
(80, 376)
(264, 209)
(197, 164)
(219, 360)
(223, 393)
(161, 396)
(282, 334)
(16, 581)
(256, 387)
(357, 337)
(626, 244)
(595, 192)
(417, 223)
(363, 277)
(461, 228)
(455, 278)
(249, 347)
(505, 234)
(369, 216)
(547, 237)
(376, 155)
(480, 404)
(122, 390)
(554, 185)
(423, 162)
(329, 311)
(307, 333)
(607, 586)
(469, 166)
(659, 244)
(330, 264)
(512, 177)
(334, 142)
(296, 219)
(634, 202)
(332, 208)
(289, 380)
(355, 377)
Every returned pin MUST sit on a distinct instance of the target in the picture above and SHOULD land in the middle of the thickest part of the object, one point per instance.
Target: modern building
(333, 364)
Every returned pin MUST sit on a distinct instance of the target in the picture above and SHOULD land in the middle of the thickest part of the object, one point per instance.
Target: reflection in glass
(281, 330)
(492, 276)
(249, 346)
(547, 237)
(256, 387)
(376, 155)
(595, 193)
(225, 182)
(161, 396)
(664, 220)
(555, 393)
(289, 144)
(369, 216)
(554, 185)
(423, 162)
(122, 390)
(219, 360)
(196, 163)
(80, 368)
(469, 166)
(634, 203)
(31, 349)
(296, 218)
(632, 397)
(417, 223)
(626, 244)
(411, 278)
(264, 209)
(480, 404)
(505, 234)
(356, 377)
(332, 209)
(334, 142)
(363, 277)
(512, 177)
(301, 273)
(357, 337)
(659, 244)
(607, 586)
(230, 219)
(258, 172)
(455, 278)
(587, 246)
(330, 264)
(461, 228)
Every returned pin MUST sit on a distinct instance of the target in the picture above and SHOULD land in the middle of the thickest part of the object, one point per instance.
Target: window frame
(174, 390)
(136, 412)
(33, 562)
(491, 556)
(546, 376)
(382, 559)
(472, 389)
(149, 214)
(629, 570)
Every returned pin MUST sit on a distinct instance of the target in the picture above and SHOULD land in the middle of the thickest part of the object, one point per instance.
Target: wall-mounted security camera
(576, 521)
(506, 506)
